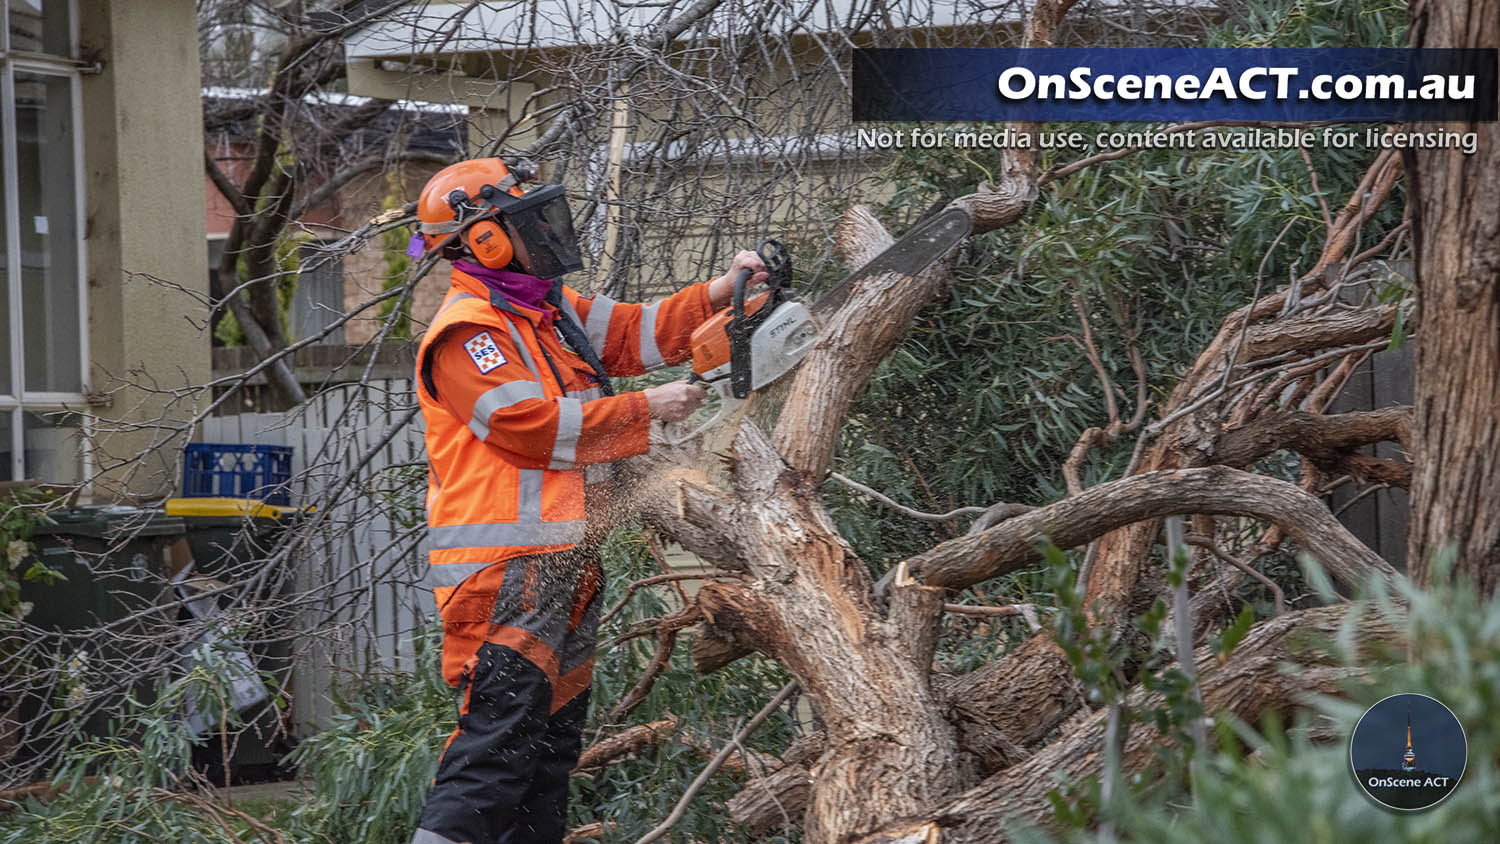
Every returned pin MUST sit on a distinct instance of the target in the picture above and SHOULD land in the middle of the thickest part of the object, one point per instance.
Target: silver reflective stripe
(527, 529)
(569, 426)
(587, 394)
(597, 327)
(651, 356)
(442, 575)
(529, 496)
(454, 301)
(427, 836)
(525, 352)
(596, 473)
(497, 534)
(504, 395)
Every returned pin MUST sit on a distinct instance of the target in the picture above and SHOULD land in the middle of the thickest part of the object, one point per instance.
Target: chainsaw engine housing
(780, 343)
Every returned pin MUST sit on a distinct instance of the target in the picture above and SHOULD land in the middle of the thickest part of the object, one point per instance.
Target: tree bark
(1120, 555)
(1252, 682)
(1213, 490)
(1456, 481)
(1013, 701)
(775, 801)
(810, 607)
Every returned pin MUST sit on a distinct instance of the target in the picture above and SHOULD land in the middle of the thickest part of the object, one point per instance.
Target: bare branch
(718, 761)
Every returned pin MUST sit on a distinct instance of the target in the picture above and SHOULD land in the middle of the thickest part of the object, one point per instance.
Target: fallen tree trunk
(1013, 701)
(899, 744)
(1251, 683)
(810, 607)
(997, 709)
(776, 801)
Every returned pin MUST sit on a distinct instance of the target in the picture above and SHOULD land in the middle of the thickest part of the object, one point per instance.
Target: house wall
(489, 111)
(144, 216)
(365, 269)
(797, 210)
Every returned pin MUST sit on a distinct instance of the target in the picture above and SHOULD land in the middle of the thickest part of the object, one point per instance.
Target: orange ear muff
(489, 244)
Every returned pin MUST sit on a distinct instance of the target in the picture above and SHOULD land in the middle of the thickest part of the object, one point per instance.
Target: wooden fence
(363, 564)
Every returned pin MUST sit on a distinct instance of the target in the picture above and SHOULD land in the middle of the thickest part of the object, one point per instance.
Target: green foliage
(1102, 666)
(21, 513)
(137, 786)
(369, 772)
(991, 388)
(228, 332)
(1235, 633)
(1089, 646)
(1316, 23)
(1290, 787)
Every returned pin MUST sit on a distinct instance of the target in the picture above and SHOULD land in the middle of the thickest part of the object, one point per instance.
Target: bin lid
(226, 507)
(112, 522)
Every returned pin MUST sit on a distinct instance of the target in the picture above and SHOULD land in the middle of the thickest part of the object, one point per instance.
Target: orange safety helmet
(448, 208)
(481, 204)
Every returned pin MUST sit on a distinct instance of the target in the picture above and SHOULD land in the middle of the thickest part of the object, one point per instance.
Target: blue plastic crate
(229, 470)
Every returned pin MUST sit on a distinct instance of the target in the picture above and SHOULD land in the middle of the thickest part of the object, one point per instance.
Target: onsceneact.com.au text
(1179, 138)
(1254, 83)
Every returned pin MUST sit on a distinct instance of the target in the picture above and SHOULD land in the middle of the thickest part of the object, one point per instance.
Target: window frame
(17, 403)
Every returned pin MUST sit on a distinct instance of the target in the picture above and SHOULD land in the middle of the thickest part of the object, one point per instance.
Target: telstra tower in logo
(1409, 758)
(1393, 779)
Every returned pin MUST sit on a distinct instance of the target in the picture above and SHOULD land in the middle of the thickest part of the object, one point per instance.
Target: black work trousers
(503, 778)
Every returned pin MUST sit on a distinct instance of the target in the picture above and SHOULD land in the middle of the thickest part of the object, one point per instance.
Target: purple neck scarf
(521, 289)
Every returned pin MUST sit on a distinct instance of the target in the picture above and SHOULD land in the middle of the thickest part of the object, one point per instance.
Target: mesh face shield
(540, 228)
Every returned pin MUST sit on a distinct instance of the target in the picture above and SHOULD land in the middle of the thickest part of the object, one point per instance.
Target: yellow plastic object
(226, 507)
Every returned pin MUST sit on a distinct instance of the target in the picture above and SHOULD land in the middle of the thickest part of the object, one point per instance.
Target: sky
(1380, 739)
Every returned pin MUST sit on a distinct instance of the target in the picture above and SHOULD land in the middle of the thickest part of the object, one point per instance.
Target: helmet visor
(540, 227)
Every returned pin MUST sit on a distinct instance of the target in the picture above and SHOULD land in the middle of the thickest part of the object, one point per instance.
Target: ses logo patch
(1408, 752)
(484, 352)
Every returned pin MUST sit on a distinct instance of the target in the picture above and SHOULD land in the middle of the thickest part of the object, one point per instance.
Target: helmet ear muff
(488, 243)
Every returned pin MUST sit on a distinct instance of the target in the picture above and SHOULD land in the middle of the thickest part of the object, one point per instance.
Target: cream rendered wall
(144, 215)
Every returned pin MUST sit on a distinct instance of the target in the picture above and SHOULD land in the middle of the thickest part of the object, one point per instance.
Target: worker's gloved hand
(722, 288)
(674, 402)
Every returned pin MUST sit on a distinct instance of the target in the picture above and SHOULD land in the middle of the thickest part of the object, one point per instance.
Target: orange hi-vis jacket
(513, 417)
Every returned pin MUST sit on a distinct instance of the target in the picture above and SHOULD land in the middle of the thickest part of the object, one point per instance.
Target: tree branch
(224, 186)
(1319, 437)
(1214, 490)
(326, 190)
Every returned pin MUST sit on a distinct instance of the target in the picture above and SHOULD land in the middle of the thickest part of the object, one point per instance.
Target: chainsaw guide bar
(927, 241)
(757, 340)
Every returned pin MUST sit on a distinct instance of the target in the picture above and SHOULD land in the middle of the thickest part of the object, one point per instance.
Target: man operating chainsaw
(513, 381)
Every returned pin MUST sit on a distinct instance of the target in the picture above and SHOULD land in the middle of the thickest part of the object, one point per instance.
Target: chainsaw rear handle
(740, 281)
(778, 274)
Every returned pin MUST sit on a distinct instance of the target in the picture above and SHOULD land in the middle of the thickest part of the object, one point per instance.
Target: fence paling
(367, 601)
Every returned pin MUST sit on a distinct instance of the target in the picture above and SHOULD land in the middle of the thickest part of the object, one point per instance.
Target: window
(43, 318)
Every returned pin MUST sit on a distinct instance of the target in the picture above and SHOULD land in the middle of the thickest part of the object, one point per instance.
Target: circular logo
(1408, 752)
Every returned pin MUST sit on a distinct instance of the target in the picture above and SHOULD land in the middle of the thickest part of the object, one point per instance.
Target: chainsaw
(756, 341)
